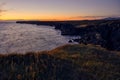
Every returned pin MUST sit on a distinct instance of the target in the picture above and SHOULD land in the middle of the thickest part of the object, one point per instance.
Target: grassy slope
(69, 62)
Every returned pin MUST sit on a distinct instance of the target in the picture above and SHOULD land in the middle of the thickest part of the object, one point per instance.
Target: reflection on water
(25, 38)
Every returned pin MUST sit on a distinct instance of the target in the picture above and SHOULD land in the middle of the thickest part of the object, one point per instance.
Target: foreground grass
(69, 62)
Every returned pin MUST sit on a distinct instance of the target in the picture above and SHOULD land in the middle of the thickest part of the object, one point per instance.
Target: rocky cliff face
(106, 35)
(66, 29)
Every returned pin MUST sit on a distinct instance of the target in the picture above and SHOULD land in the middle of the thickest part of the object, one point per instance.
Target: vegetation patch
(69, 62)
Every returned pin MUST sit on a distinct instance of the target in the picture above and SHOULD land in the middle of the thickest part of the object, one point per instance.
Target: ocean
(22, 38)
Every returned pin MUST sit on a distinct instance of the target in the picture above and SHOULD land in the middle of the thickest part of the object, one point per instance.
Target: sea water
(22, 38)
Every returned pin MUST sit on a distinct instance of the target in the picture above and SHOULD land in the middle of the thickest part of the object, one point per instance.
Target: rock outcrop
(106, 35)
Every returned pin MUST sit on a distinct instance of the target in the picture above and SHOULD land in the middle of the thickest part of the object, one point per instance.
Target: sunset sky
(59, 9)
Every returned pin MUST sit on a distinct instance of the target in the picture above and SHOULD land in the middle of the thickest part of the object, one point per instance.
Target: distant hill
(112, 18)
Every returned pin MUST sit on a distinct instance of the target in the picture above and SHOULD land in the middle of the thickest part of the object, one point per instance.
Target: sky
(59, 9)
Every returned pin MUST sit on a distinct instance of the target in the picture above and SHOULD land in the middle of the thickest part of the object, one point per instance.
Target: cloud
(87, 17)
(1, 8)
(91, 17)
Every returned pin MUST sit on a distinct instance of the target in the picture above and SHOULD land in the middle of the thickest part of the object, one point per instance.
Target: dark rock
(107, 35)
(70, 41)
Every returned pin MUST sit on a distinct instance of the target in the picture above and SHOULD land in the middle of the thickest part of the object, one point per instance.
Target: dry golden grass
(69, 62)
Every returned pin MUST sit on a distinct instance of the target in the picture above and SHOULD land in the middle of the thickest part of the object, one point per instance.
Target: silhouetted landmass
(112, 18)
(69, 62)
(99, 32)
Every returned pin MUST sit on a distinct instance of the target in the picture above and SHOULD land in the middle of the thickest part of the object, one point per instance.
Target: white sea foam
(23, 38)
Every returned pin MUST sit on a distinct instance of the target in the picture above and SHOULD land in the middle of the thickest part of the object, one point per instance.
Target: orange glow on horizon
(44, 17)
(25, 16)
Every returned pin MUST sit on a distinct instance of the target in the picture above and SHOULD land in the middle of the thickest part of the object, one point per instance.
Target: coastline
(97, 32)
